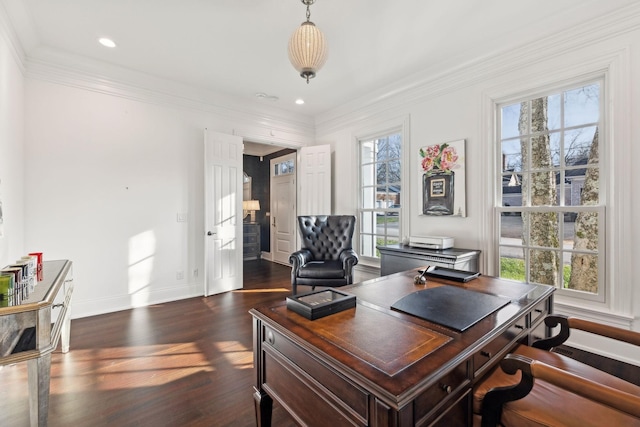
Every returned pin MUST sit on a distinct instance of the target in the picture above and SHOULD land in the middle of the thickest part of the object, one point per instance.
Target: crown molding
(462, 72)
(83, 73)
(8, 33)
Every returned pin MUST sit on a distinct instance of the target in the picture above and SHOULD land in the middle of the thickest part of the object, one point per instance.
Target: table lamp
(251, 206)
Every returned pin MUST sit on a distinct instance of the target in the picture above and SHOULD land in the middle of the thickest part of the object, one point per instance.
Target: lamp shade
(307, 50)
(251, 205)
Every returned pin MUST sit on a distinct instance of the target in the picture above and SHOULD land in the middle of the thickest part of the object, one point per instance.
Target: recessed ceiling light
(106, 42)
(299, 101)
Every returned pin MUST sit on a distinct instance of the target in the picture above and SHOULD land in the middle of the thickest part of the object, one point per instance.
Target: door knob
(209, 233)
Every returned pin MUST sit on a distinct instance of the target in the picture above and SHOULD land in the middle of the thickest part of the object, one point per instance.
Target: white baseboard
(362, 272)
(607, 347)
(94, 307)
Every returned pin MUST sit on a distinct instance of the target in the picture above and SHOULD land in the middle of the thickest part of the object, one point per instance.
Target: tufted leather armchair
(326, 257)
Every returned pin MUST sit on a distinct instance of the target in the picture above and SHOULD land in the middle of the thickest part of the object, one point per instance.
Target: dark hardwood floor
(184, 363)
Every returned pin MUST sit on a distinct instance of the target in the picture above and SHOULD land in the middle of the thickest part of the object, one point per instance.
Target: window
(286, 167)
(551, 214)
(380, 190)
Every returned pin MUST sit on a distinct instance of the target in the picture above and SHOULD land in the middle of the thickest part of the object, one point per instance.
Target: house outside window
(380, 205)
(551, 212)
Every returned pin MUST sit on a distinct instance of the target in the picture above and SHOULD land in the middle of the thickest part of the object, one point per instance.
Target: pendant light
(307, 47)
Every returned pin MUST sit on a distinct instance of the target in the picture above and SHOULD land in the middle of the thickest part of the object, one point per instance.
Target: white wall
(459, 104)
(11, 153)
(96, 168)
(106, 177)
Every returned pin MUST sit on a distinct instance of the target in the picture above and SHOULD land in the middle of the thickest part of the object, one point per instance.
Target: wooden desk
(372, 366)
(49, 302)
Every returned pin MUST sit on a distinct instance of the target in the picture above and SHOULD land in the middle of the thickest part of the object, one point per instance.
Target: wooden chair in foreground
(534, 386)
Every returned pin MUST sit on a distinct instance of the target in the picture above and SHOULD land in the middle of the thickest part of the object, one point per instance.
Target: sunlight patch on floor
(236, 354)
(133, 367)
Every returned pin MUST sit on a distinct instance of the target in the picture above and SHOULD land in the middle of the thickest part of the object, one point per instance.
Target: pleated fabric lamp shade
(307, 50)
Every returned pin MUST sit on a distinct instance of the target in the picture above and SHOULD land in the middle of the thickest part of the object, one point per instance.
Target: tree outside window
(551, 214)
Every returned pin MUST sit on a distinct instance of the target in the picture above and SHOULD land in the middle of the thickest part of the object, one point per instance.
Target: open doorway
(283, 207)
(256, 165)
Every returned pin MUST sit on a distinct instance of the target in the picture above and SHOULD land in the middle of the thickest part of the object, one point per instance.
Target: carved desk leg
(264, 408)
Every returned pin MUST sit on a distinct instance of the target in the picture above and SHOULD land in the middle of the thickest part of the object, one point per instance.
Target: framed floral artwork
(442, 178)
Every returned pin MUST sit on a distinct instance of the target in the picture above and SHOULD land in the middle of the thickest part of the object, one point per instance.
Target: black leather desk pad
(450, 306)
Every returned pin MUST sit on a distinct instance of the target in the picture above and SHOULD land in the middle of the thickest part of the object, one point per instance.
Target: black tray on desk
(451, 274)
(318, 304)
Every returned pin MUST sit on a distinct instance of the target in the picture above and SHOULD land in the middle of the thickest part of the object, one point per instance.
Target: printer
(431, 242)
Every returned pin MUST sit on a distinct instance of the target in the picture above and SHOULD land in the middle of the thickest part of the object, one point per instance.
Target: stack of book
(19, 279)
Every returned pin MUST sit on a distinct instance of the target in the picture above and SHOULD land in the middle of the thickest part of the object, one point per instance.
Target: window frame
(499, 173)
(394, 126)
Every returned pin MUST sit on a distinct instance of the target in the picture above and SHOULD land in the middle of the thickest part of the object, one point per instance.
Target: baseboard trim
(94, 307)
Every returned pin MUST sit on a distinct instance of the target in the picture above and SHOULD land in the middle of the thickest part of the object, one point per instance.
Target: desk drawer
(287, 372)
(538, 332)
(540, 310)
(249, 239)
(491, 352)
(457, 414)
(439, 393)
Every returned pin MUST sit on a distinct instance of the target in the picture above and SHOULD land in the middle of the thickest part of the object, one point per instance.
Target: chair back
(326, 236)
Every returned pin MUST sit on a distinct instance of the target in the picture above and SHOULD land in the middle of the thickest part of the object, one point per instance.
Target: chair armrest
(568, 323)
(533, 369)
(349, 258)
(300, 258)
(619, 334)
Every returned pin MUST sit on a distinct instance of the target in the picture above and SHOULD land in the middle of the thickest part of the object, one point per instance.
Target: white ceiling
(239, 47)
(259, 149)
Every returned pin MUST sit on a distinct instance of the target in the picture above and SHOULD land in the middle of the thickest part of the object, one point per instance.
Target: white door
(223, 212)
(314, 180)
(283, 207)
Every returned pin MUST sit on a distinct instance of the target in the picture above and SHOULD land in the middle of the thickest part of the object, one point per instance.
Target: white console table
(396, 258)
(30, 332)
